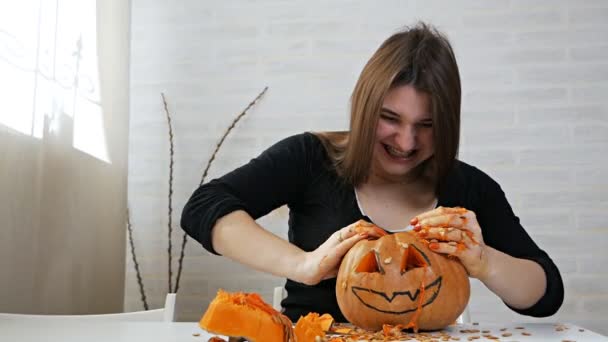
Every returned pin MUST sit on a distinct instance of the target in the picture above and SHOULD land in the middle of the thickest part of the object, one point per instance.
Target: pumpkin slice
(312, 327)
(326, 321)
(246, 315)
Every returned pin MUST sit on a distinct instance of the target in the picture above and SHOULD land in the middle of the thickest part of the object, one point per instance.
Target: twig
(142, 292)
(219, 144)
(170, 209)
(209, 162)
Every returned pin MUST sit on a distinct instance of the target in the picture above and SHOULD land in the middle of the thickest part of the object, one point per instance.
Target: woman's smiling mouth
(395, 153)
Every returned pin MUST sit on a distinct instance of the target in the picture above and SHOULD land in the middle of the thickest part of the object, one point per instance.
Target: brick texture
(535, 117)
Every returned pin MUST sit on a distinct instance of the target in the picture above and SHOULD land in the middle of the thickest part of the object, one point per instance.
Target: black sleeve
(273, 179)
(503, 231)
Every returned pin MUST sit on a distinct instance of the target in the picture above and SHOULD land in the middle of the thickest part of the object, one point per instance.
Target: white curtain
(63, 149)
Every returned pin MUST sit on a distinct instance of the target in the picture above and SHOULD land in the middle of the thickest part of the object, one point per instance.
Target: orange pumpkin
(246, 315)
(397, 279)
(312, 327)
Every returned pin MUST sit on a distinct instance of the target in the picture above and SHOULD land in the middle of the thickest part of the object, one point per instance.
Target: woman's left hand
(456, 232)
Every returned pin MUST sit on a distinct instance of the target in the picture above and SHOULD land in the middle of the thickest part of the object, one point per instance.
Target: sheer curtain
(63, 150)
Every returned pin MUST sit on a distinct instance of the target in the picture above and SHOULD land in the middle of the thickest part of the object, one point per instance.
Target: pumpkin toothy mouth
(400, 302)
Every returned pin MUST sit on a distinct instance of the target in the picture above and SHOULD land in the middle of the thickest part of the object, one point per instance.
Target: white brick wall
(535, 116)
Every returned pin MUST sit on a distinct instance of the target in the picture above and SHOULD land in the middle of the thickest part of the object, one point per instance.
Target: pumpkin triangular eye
(370, 263)
(411, 259)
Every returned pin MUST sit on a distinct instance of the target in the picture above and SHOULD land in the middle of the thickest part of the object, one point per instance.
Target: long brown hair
(419, 56)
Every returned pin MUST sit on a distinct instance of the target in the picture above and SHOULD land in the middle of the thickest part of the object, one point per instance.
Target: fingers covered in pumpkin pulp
(455, 232)
(324, 262)
(363, 226)
(330, 262)
(346, 238)
(442, 224)
(439, 211)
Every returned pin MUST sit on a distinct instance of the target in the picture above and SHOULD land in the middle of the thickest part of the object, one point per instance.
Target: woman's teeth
(399, 154)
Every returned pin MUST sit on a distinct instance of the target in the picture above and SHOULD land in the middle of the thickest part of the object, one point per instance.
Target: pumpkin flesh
(312, 327)
(245, 315)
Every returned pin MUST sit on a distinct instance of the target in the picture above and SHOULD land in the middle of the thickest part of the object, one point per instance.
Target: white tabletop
(74, 330)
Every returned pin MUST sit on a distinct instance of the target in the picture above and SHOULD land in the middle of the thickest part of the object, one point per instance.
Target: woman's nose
(407, 138)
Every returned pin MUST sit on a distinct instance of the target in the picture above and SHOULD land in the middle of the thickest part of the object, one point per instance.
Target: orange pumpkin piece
(390, 330)
(344, 331)
(246, 315)
(312, 325)
(216, 339)
(326, 321)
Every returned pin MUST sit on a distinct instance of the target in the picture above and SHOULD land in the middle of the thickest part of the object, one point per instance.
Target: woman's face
(404, 136)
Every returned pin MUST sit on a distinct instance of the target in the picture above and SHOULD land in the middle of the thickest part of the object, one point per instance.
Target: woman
(396, 165)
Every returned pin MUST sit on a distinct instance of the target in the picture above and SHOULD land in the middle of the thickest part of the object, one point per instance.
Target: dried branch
(142, 292)
(228, 130)
(170, 199)
(209, 162)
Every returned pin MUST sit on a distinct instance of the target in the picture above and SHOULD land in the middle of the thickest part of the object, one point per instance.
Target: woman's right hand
(324, 262)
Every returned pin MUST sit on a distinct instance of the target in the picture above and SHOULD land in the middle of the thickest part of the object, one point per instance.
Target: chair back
(278, 294)
(166, 314)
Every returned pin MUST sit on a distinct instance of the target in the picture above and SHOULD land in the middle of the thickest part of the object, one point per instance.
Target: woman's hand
(324, 262)
(456, 232)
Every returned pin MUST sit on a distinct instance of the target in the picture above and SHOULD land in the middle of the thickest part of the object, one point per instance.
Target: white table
(26, 330)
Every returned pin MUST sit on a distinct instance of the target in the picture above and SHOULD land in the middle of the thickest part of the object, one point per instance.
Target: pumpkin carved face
(398, 280)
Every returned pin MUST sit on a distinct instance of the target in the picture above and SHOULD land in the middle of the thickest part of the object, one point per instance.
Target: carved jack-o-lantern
(398, 280)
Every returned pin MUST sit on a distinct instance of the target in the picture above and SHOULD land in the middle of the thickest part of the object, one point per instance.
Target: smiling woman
(397, 165)
(403, 140)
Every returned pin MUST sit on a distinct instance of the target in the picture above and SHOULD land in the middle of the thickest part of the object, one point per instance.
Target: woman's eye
(426, 124)
(389, 118)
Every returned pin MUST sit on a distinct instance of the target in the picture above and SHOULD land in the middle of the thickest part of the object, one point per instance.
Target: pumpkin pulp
(250, 317)
(412, 259)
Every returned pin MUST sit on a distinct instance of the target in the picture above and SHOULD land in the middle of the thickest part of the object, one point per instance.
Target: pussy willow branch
(228, 130)
(209, 162)
(142, 292)
(170, 199)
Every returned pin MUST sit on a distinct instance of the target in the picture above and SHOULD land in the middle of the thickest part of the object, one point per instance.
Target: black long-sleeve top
(297, 172)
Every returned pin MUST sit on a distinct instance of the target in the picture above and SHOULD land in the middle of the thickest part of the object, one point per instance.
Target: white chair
(277, 296)
(165, 314)
(465, 316)
(279, 293)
